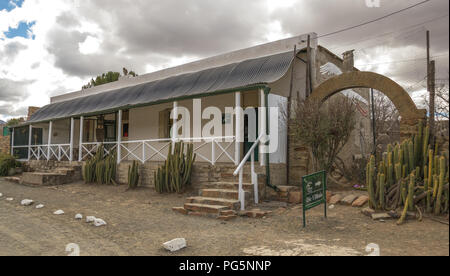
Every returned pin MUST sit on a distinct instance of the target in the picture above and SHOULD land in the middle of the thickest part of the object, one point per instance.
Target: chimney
(349, 61)
(31, 111)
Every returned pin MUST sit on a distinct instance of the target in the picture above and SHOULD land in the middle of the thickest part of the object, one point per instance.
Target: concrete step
(230, 203)
(229, 186)
(45, 178)
(223, 193)
(204, 208)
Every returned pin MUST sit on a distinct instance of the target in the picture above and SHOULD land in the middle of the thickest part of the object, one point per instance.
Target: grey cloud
(190, 27)
(7, 110)
(65, 47)
(12, 91)
(67, 19)
(154, 32)
(11, 50)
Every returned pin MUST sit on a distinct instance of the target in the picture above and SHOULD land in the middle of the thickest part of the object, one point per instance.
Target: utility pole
(308, 68)
(432, 100)
(288, 115)
(430, 88)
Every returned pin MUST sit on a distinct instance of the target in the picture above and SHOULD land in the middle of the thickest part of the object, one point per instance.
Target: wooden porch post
(30, 135)
(237, 146)
(175, 125)
(49, 138)
(80, 149)
(119, 137)
(72, 122)
(263, 123)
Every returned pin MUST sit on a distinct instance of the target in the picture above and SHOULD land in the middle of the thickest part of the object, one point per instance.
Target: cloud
(77, 40)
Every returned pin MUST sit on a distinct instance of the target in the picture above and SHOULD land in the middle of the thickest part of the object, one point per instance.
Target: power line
(374, 20)
(393, 32)
(402, 61)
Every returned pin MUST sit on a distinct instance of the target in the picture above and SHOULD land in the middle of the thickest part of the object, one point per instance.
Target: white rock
(175, 245)
(99, 222)
(1, 194)
(26, 202)
(10, 199)
(90, 219)
(59, 212)
(40, 206)
(331, 207)
(78, 216)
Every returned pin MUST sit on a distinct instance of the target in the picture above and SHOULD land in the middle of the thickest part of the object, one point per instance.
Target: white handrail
(248, 155)
(254, 177)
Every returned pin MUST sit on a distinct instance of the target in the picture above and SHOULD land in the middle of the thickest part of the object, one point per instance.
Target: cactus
(426, 140)
(412, 185)
(382, 191)
(437, 209)
(133, 175)
(402, 170)
(99, 168)
(176, 172)
(411, 163)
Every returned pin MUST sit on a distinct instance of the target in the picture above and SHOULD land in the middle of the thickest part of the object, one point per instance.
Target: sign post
(314, 192)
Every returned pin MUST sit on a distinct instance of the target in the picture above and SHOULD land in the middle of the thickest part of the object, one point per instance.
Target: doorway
(247, 143)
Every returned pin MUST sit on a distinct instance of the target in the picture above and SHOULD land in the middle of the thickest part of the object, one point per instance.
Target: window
(125, 130)
(165, 124)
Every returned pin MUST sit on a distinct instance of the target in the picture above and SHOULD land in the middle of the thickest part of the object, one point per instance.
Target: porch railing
(60, 152)
(157, 149)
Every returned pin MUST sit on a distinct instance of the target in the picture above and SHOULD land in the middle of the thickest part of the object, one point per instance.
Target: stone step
(230, 203)
(229, 186)
(204, 208)
(223, 193)
(45, 178)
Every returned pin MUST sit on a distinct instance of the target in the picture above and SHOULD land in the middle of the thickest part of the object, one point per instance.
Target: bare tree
(387, 122)
(324, 128)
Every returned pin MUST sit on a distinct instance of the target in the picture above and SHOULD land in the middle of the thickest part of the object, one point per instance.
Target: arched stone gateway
(410, 114)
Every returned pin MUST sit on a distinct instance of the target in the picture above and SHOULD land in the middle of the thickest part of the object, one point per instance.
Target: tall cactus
(408, 169)
(133, 175)
(176, 172)
(437, 209)
(412, 185)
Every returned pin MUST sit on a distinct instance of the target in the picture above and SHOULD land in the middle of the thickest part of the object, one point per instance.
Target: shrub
(7, 162)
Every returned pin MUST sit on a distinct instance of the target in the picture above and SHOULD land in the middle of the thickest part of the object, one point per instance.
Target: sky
(49, 48)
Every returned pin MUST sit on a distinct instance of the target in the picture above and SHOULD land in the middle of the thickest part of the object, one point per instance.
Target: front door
(248, 144)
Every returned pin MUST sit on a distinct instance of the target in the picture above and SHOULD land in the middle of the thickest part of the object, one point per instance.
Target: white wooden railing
(157, 149)
(254, 177)
(90, 149)
(60, 152)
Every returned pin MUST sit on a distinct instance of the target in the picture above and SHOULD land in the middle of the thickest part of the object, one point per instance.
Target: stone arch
(410, 114)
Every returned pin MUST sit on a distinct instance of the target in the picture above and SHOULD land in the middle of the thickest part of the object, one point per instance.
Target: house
(133, 116)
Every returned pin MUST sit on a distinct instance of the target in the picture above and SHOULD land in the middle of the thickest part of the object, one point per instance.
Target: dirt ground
(140, 221)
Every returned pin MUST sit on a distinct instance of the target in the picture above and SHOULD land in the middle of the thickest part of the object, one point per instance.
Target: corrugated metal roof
(241, 75)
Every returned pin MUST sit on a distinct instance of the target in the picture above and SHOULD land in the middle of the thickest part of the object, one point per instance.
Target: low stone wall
(44, 165)
(4, 144)
(202, 173)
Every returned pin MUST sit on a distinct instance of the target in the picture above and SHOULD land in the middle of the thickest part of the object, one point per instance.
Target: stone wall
(4, 144)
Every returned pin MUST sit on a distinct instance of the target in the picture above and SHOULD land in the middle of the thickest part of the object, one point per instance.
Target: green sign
(314, 192)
